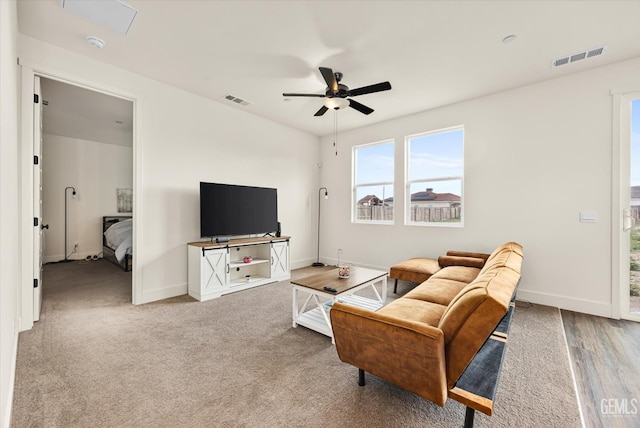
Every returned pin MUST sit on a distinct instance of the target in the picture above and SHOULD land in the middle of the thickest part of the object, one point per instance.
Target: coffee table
(314, 312)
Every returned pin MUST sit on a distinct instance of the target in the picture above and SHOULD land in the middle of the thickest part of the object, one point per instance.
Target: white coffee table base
(314, 313)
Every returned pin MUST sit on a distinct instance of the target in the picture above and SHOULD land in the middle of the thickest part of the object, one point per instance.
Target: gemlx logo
(619, 406)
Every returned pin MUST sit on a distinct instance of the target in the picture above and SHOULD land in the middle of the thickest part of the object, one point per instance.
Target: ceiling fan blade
(303, 95)
(322, 111)
(330, 78)
(378, 87)
(360, 107)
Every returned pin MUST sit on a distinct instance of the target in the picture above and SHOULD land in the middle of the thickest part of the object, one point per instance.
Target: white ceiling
(434, 53)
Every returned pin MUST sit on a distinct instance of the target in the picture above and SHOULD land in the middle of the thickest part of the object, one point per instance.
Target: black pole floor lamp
(326, 196)
(73, 193)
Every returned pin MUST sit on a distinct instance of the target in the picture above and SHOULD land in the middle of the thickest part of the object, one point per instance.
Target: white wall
(182, 139)
(535, 157)
(9, 205)
(96, 170)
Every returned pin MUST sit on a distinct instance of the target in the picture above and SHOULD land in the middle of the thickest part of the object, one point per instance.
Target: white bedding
(118, 238)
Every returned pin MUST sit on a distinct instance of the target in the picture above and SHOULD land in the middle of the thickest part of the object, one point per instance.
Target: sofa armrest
(475, 262)
(406, 353)
(483, 256)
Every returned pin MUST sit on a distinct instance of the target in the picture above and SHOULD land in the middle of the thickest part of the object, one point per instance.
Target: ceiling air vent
(578, 56)
(236, 100)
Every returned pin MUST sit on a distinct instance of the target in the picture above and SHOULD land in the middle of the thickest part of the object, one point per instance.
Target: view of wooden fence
(418, 214)
(425, 214)
(375, 212)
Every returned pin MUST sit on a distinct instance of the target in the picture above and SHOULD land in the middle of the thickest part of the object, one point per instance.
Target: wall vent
(236, 100)
(578, 56)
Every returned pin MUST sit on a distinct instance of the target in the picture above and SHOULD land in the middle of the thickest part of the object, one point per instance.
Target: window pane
(436, 201)
(373, 182)
(435, 175)
(436, 155)
(374, 203)
(374, 164)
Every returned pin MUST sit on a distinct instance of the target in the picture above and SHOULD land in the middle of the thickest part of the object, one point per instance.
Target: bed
(117, 240)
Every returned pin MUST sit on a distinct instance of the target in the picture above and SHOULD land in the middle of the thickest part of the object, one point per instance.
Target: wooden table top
(358, 276)
(239, 242)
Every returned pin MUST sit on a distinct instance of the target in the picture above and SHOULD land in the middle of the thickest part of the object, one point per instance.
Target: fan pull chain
(335, 131)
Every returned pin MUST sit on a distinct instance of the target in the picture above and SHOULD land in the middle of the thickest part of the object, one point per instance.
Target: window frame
(354, 186)
(408, 182)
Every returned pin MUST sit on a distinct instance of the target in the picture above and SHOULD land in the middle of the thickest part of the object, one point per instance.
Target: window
(372, 197)
(435, 172)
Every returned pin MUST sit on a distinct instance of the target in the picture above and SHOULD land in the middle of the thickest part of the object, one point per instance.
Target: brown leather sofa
(424, 340)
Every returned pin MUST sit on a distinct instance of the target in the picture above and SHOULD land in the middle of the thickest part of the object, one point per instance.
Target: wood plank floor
(605, 355)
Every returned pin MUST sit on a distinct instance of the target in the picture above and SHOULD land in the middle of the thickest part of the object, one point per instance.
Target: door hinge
(36, 98)
(35, 282)
(36, 160)
(35, 221)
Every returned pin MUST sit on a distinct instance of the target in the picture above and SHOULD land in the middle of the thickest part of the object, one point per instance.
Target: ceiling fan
(336, 93)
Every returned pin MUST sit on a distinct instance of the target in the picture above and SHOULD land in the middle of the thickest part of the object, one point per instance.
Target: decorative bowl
(344, 271)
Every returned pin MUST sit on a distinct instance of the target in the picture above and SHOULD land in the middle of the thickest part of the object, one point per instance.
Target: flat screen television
(227, 210)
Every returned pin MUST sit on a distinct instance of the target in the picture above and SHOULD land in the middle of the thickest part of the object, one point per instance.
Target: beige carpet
(96, 360)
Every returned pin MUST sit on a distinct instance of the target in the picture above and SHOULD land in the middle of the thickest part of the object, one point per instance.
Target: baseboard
(6, 423)
(302, 263)
(334, 262)
(73, 256)
(563, 302)
(163, 293)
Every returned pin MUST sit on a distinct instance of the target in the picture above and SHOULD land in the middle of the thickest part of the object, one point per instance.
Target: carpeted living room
(96, 360)
(301, 213)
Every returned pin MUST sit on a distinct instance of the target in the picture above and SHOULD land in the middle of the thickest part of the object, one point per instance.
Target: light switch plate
(588, 216)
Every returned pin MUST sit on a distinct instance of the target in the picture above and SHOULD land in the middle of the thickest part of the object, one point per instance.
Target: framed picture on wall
(124, 200)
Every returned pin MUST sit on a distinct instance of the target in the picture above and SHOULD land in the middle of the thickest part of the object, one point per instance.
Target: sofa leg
(468, 417)
(395, 287)
(360, 377)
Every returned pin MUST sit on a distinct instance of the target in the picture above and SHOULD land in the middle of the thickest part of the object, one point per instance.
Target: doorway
(630, 206)
(86, 166)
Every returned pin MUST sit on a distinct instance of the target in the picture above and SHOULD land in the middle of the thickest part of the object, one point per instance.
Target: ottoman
(415, 270)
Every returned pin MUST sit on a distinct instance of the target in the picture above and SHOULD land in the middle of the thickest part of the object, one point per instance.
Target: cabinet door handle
(227, 267)
(271, 260)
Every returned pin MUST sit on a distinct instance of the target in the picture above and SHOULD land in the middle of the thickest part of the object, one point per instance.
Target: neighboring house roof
(430, 196)
(370, 200)
(635, 192)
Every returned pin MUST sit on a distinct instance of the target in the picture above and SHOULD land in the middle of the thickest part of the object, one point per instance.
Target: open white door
(38, 228)
(630, 207)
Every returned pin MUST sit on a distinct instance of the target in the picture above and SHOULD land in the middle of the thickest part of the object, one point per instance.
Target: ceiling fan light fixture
(336, 103)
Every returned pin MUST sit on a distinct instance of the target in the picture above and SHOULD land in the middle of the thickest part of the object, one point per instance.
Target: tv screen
(227, 209)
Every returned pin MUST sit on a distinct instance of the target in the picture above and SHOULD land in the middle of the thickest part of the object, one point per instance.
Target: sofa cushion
(495, 283)
(414, 310)
(437, 290)
(473, 314)
(458, 273)
(507, 255)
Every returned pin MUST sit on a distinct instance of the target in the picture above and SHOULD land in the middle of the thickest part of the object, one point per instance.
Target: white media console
(216, 269)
